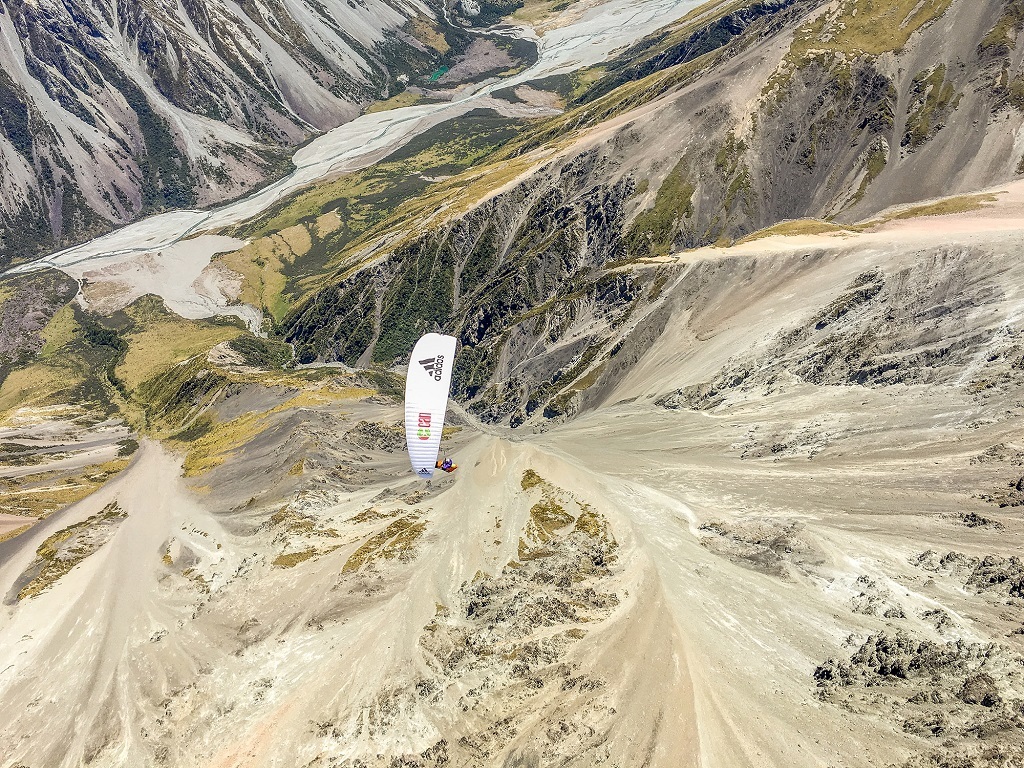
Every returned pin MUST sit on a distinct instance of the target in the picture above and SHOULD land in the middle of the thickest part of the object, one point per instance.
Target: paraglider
(426, 400)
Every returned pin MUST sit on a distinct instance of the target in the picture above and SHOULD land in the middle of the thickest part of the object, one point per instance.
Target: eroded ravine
(509, 619)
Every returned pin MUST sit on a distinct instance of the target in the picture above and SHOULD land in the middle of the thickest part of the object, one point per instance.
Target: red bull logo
(423, 426)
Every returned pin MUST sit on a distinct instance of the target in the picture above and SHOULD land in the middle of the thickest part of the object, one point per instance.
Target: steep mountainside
(734, 120)
(110, 109)
(738, 417)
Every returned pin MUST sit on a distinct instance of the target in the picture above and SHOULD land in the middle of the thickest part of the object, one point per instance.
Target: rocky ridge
(830, 124)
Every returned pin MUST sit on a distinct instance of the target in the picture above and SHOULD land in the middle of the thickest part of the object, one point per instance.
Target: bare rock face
(771, 546)
(979, 689)
(927, 685)
(994, 574)
(377, 437)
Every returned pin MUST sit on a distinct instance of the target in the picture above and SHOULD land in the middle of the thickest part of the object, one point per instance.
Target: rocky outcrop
(963, 697)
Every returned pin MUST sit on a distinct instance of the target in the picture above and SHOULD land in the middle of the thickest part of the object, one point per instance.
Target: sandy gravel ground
(661, 581)
(10, 523)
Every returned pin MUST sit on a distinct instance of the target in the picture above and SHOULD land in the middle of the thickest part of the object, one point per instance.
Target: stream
(133, 257)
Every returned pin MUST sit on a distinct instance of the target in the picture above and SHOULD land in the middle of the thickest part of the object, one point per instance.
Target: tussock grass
(873, 27)
(13, 533)
(261, 265)
(221, 441)
(55, 560)
(403, 99)
(59, 332)
(547, 517)
(36, 384)
(424, 31)
(164, 343)
(291, 559)
(217, 442)
(531, 480)
(951, 205)
(794, 227)
(654, 230)
(40, 495)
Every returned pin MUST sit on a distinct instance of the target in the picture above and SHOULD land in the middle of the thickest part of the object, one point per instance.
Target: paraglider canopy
(426, 399)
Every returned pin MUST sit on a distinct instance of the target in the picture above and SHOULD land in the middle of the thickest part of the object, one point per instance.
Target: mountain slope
(735, 120)
(746, 551)
(753, 503)
(112, 110)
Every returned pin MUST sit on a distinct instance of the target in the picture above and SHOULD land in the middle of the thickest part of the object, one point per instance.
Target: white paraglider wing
(426, 398)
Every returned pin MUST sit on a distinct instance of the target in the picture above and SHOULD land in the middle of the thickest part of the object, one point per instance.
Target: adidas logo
(424, 471)
(433, 366)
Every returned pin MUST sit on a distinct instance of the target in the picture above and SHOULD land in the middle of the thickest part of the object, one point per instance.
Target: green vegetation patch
(291, 559)
(951, 205)
(562, 130)
(261, 353)
(155, 339)
(43, 493)
(423, 30)
(557, 406)
(547, 517)
(934, 98)
(873, 27)
(367, 197)
(124, 364)
(531, 480)
(318, 228)
(62, 551)
(59, 332)
(27, 302)
(403, 99)
(127, 447)
(1002, 38)
(419, 296)
(174, 398)
(539, 13)
(210, 443)
(654, 230)
(877, 158)
(795, 227)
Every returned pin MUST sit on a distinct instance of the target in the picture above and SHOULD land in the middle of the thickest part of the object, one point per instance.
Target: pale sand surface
(180, 637)
(10, 523)
(178, 274)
